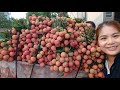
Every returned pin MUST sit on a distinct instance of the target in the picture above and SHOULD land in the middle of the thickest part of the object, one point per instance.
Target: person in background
(91, 24)
(108, 39)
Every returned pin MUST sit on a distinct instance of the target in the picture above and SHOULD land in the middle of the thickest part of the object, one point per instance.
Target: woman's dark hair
(92, 23)
(113, 23)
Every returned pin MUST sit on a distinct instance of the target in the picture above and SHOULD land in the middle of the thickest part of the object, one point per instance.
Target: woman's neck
(110, 60)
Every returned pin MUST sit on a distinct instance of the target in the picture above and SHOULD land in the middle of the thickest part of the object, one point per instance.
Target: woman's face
(109, 40)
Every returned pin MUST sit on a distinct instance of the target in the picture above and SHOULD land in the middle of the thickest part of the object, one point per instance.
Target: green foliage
(47, 14)
(39, 47)
(60, 49)
(89, 35)
(40, 35)
(79, 20)
(71, 48)
(2, 36)
(63, 14)
(20, 24)
(5, 21)
(59, 23)
(69, 32)
(5, 35)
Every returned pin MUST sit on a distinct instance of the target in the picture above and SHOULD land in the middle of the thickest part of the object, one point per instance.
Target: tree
(5, 21)
(48, 14)
(64, 14)
(19, 23)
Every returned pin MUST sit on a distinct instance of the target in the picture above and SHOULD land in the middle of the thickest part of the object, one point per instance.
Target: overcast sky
(18, 15)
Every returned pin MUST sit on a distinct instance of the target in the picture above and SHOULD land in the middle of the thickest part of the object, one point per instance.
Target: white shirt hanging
(106, 64)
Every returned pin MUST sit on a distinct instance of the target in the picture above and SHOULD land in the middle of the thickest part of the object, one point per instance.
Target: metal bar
(33, 65)
(79, 67)
(82, 57)
(16, 54)
(35, 61)
(32, 69)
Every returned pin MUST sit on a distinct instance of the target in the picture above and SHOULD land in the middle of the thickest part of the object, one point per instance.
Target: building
(97, 17)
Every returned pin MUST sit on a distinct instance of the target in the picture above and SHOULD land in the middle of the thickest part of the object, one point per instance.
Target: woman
(108, 38)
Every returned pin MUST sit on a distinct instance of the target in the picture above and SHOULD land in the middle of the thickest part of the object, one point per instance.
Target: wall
(72, 14)
(96, 17)
(106, 18)
(76, 14)
(8, 70)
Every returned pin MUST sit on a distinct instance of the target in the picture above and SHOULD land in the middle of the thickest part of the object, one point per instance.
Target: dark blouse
(114, 70)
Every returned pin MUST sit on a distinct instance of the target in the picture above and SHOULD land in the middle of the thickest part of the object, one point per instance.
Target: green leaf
(69, 32)
(60, 49)
(92, 53)
(83, 40)
(25, 42)
(2, 36)
(59, 23)
(71, 49)
(40, 36)
(39, 47)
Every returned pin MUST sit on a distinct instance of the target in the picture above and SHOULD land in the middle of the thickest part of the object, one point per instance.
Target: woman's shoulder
(117, 59)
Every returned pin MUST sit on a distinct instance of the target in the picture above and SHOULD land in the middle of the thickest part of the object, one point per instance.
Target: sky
(18, 15)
